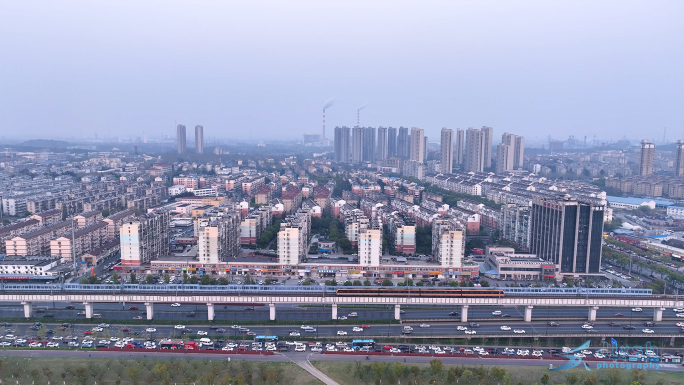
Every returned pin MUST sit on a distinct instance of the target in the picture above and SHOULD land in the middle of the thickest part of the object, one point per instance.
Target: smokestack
(323, 124)
(327, 105)
(358, 115)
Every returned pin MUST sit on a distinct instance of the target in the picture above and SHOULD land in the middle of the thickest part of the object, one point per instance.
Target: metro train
(346, 291)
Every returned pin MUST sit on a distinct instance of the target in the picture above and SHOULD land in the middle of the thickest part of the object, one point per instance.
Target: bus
(171, 344)
(264, 339)
(370, 344)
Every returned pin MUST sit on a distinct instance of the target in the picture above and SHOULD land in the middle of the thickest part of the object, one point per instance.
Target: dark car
(220, 330)
(133, 308)
(66, 325)
(283, 348)
(186, 331)
(49, 315)
(35, 327)
(554, 324)
(213, 327)
(613, 324)
(618, 315)
(6, 324)
(474, 325)
(649, 323)
(592, 331)
(70, 307)
(454, 314)
(629, 327)
(506, 316)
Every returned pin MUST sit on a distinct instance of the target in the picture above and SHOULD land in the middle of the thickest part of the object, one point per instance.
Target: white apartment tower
(448, 243)
(370, 246)
(447, 150)
(417, 153)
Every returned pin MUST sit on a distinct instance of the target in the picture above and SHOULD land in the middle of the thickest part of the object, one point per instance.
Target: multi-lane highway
(245, 312)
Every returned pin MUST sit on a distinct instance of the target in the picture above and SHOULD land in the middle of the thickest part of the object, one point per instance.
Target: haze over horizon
(264, 70)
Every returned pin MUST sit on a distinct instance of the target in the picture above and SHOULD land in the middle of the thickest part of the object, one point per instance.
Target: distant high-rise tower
(647, 156)
(474, 153)
(357, 145)
(425, 148)
(487, 133)
(458, 152)
(391, 142)
(180, 138)
(417, 153)
(505, 156)
(342, 150)
(679, 165)
(369, 144)
(517, 144)
(382, 144)
(199, 139)
(403, 143)
(447, 150)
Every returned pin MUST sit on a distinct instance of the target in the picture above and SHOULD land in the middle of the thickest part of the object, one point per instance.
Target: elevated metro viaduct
(658, 304)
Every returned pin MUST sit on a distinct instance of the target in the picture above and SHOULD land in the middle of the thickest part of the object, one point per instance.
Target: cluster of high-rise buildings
(469, 150)
(181, 139)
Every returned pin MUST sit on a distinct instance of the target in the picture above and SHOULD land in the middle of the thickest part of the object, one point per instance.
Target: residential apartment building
(448, 242)
(417, 153)
(647, 157)
(447, 150)
(370, 245)
(292, 238)
(342, 145)
(145, 239)
(219, 237)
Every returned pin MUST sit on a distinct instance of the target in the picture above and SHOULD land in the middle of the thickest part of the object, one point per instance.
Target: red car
(62, 329)
(364, 326)
(387, 347)
(133, 308)
(88, 332)
(125, 329)
(618, 315)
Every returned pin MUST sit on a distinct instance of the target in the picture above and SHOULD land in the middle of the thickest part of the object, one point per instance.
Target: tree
(206, 279)
(115, 277)
(134, 374)
(436, 366)
(613, 377)
(149, 279)
(84, 281)
(484, 283)
(357, 283)
(545, 379)
(348, 283)
(133, 277)
(387, 282)
(81, 375)
(167, 278)
(306, 282)
(366, 283)
(222, 281)
(572, 378)
(193, 280)
(590, 380)
(105, 213)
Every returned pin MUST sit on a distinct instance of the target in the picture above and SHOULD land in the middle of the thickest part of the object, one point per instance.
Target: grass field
(85, 371)
(360, 373)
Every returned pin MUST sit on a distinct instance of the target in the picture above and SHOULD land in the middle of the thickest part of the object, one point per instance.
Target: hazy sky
(264, 69)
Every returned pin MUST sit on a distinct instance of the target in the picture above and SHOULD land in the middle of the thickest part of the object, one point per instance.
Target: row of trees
(268, 235)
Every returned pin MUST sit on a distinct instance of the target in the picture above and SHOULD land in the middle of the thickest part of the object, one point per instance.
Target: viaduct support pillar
(271, 312)
(210, 311)
(334, 311)
(150, 310)
(592, 313)
(464, 313)
(88, 309)
(397, 312)
(28, 309)
(658, 314)
(528, 313)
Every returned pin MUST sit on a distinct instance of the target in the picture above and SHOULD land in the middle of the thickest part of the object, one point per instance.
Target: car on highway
(474, 325)
(35, 345)
(680, 324)
(179, 327)
(342, 317)
(680, 315)
(461, 328)
(579, 355)
(453, 314)
(496, 312)
(585, 326)
(176, 304)
(649, 323)
(133, 308)
(519, 331)
(554, 323)
(470, 332)
(678, 310)
(613, 324)
(537, 353)
(310, 330)
(424, 325)
(52, 344)
(125, 329)
(352, 314)
(151, 330)
(637, 309)
(629, 327)
(357, 329)
(505, 328)
(341, 333)
(137, 317)
(70, 307)
(647, 331)
(618, 315)
(202, 333)
(364, 326)
(294, 334)
(506, 316)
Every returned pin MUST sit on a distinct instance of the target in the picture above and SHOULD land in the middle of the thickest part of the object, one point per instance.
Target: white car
(300, 348)
(537, 353)
(496, 312)
(470, 332)
(341, 333)
(680, 315)
(271, 348)
(587, 327)
(506, 328)
(58, 338)
(227, 348)
(10, 337)
(35, 345)
(202, 333)
(461, 328)
(342, 317)
(52, 345)
(97, 329)
(151, 330)
(316, 349)
(519, 331)
(579, 355)
(521, 352)
(424, 325)
(636, 309)
(678, 310)
(647, 331)
(357, 329)
(599, 355)
(120, 344)
(104, 342)
(680, 324)
(113, 339)
(587, 352)
(304, 327)
(176, 304)
(294, 334)
(5, 343)
(179, 327)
